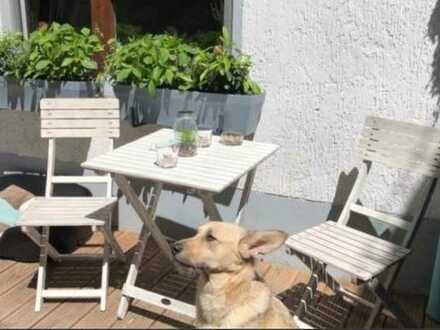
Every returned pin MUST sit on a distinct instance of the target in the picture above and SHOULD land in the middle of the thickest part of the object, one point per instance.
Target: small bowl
(204, 138)
(167, 157)
(232, 139)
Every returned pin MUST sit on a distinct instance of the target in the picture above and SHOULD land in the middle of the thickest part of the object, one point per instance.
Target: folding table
(210, 172)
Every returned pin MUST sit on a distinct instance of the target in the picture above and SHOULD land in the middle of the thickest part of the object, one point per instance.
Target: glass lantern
(185, 132)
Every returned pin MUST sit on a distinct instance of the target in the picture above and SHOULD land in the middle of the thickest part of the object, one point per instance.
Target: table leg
(210, 207)
(147, 220)
(245, 195)
(139, 252)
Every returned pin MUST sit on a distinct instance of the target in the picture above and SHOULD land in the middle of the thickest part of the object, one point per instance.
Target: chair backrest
(398, 145)
(78, 118)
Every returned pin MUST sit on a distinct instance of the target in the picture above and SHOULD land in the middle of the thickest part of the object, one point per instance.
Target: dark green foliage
(11, 54)
(166, 61)
(59, 53)
(151, 62)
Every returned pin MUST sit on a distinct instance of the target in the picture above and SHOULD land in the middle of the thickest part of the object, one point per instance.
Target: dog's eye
(210, 238)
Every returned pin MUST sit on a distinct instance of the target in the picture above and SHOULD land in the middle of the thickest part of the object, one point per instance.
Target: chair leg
(105, 272)
(41, 280)
(384, 298)
(309, 296)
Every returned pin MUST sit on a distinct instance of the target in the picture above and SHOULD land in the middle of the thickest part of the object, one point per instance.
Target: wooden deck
(17, 295)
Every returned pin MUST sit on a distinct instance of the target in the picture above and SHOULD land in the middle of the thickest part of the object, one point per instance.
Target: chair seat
(65, 211)
(350, 250)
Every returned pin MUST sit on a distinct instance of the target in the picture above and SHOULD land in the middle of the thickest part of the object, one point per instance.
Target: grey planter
(3, 93)
(71, 89)
(26, 95)
(222, 112)
(137, 105)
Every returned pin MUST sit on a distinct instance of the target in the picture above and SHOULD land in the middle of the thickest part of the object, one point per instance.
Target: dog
(229, 292)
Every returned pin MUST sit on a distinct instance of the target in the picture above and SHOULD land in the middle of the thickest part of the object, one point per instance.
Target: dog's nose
(176, 247)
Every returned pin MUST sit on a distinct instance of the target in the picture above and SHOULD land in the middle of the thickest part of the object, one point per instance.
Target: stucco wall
(325, 65)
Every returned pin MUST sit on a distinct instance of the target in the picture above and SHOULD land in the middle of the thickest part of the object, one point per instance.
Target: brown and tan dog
(229, 293)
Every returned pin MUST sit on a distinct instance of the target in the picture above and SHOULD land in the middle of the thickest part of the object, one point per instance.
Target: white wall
(10, 16)
(325, 65)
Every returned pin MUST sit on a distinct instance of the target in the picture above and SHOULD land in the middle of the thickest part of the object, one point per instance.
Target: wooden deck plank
(25, 316)
(14, 275)
(141, 315)
(6, 264)
(17, 300)
(108, 318)
(71, 311)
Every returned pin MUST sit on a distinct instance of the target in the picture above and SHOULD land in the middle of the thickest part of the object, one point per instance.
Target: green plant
(218, 70)
(58, 52)
(11, 54)
(160, 61)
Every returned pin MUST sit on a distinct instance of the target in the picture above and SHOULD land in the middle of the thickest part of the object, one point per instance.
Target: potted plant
(62, 60)
(142, 69)
(11, 63)
(157, 76)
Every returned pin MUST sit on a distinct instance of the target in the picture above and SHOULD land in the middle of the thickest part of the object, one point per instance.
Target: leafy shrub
(166, 61)
(159, 61)
(218, 70)
(58, 52)
(11, 54)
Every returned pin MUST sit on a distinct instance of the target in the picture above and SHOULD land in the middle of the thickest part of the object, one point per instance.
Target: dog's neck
(217, 281)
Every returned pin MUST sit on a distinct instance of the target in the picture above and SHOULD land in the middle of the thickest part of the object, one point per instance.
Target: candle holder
(167, 157)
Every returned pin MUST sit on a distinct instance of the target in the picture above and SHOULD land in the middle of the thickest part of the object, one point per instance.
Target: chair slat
(376, 255)
(80, 118)
(365, 238)
(359, 255)
(80, 123)
(402, 145)
(83, 114)
(387, 218)
(428, 134)
(341, 264)
(80, 103)
(79, 133)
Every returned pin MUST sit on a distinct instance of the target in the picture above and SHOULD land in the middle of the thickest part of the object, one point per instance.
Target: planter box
(222, 112)
(26, 95)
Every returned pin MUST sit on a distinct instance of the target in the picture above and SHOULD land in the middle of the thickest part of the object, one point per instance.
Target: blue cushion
(8, 215)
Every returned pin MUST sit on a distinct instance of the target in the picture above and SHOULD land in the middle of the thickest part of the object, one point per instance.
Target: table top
(213, 169)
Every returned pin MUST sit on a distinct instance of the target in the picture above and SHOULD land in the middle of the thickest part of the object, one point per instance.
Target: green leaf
(169, 77)
(67, 61)
(151, 88)
(157, 72)
(89, 64)
(164, 55)
(137, 73)
(42, 65)
(85, 31)
(123, 75)
(148, 60)
(183, 59)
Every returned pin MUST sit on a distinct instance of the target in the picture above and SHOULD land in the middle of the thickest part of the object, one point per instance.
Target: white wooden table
(210, 172)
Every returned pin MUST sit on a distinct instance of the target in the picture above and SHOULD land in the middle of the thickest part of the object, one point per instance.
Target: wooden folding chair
(366, 257)
(73, 118)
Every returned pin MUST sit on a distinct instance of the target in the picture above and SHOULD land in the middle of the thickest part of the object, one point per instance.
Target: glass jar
(185, 133)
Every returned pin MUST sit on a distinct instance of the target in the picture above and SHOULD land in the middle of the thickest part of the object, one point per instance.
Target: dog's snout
(177, 247)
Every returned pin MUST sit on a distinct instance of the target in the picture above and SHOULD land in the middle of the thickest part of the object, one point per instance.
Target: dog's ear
(260, 242)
